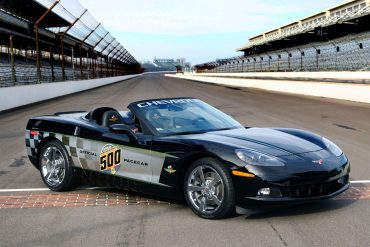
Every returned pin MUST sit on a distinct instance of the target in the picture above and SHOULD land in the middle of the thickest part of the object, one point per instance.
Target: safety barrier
(12, 97)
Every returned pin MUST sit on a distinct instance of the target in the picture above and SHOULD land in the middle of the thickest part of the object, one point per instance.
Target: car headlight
(252, 157)
(333, 148)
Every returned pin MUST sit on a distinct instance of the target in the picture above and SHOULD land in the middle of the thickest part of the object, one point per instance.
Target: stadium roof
(355, 12)
(31, 11)
(69, 22)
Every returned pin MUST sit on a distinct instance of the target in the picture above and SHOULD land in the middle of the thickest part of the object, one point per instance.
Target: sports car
(185, 149)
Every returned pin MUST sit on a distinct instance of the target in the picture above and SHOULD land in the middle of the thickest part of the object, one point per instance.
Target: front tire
(209, 190)
(55, 167)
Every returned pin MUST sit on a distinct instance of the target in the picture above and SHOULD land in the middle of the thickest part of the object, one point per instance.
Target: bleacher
(334, 40)
(42, 41)
(165, 64)
(350, 57)
(25, 71)
(150, 67)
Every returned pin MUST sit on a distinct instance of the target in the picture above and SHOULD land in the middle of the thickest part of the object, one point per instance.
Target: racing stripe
(136, 163)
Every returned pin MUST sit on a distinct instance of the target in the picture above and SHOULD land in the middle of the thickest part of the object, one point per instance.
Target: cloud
(199, 30)
(199, 16)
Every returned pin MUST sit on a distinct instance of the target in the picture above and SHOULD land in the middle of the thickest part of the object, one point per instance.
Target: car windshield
(183, 116)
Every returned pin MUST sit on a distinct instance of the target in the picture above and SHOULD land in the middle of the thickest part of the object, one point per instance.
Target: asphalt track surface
(99, 217)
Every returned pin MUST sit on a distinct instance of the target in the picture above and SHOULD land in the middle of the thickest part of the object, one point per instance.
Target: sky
(197, 30)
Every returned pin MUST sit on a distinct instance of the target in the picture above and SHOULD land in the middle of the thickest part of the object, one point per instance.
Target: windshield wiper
(222, 129)
(201, 132)
(189, 132)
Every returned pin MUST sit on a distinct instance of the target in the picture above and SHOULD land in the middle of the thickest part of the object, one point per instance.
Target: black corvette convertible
(183, 148)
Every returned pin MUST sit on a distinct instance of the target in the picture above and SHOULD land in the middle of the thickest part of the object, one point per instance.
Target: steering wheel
(161, 121)
(199, 121)
(154, 115)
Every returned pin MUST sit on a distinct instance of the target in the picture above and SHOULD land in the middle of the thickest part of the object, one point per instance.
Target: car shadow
(302, 209)
(284, 211)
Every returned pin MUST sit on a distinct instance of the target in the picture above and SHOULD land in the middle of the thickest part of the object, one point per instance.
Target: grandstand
(56, 40)
(165, 64)
(149, 66)
(337, 39)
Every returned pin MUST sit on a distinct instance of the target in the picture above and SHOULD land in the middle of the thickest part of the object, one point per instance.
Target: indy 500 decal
(110, 158)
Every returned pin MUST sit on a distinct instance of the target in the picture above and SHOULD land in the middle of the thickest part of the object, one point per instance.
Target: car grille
(315, 190)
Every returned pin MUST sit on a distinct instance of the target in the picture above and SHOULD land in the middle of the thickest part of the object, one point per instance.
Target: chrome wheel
(205, 189)
(53, 166)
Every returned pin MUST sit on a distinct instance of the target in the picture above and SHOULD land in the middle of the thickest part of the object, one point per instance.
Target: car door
(115, 154)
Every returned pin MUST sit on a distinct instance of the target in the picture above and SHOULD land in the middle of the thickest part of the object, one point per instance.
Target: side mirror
(122, 129)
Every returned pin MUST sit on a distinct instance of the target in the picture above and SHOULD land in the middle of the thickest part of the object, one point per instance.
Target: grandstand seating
(45, 41)
(25, 71)
(353, 54)
(336, 39)
(165, 65)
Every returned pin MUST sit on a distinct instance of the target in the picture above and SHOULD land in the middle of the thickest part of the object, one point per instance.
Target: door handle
(77, 131)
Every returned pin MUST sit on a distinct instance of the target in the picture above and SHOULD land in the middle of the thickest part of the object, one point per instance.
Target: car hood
(266, 140)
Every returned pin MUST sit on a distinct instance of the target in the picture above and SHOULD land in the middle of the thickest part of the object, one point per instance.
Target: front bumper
(291, 192)
(257, 203)
(262, 203)
(299, 199)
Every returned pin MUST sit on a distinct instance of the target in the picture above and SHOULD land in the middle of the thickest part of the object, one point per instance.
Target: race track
(148, 221)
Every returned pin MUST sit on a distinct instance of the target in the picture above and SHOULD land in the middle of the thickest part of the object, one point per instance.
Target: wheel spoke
(202, 205)
(201, 174)
(195, 188)
(46, 157)
(57, 178)
(54, 154)
(215, 198)
(215, 181)
(58, 164)
(48, 176)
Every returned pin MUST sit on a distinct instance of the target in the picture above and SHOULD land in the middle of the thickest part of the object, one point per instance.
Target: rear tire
(209, 190)
(55, 167)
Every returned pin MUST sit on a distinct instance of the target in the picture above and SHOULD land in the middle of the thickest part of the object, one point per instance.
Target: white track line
(43, 189)
(360, 182)
(24, 190)
(91, 188)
